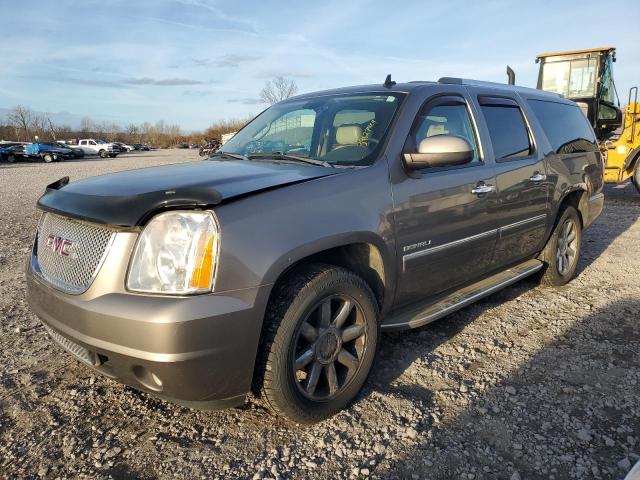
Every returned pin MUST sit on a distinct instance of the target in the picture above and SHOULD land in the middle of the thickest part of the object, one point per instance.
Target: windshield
(571, 78)
(344, 130)
(100, 142)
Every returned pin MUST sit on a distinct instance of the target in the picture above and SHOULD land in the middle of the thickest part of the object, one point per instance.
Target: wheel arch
(632, 160)
(363, 253)
(578, 198)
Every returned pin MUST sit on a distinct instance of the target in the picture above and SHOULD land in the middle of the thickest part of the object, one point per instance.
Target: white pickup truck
(98, 147)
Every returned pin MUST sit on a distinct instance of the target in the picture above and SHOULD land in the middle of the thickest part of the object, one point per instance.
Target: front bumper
(198, 351)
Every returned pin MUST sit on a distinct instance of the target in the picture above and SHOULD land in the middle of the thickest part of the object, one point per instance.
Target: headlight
(175, 254)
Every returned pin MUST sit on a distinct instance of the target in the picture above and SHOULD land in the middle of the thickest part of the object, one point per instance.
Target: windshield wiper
(234, 156)
(292, 158)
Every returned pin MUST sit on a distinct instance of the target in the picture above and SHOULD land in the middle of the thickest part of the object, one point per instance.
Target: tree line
(22, 124)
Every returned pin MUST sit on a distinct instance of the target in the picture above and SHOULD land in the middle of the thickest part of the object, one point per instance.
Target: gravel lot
(532, 382)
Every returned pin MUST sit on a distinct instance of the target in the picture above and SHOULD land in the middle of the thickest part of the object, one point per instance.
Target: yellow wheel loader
(586, 77)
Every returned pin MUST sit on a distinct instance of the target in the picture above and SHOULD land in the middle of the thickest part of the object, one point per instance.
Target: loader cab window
(607, 88)
(571, 78)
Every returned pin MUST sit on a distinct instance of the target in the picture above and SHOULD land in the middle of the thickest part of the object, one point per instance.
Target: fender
(387, 252)
(631, 159)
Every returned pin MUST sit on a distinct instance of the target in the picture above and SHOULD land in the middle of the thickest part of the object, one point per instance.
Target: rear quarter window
(565, 126)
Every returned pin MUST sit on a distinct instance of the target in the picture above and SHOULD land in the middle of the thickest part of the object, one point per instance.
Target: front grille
(71, 266)
(73, 348)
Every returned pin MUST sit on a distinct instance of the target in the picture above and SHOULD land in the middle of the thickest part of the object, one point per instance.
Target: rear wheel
(319, 343)
(48, 158)
(636, 175)
(562, 251)
(11, 158)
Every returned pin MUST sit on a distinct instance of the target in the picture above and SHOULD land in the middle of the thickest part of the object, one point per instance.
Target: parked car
(91, 146)
(209, 148)
(75, 150)
(273, 266)
(183, 145)
(140, 146)
(123, 147)
(48, 151)
(11, 151)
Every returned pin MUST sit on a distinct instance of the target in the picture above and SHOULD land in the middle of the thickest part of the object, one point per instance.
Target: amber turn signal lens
(203, 263)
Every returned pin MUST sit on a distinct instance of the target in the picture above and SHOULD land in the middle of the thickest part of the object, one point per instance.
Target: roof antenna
(388, 83)
(511, 75)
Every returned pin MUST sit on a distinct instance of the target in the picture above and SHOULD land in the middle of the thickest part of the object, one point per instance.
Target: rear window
(565, 126)
(508, 132)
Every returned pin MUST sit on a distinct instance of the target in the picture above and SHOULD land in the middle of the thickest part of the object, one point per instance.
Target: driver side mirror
(439, 151)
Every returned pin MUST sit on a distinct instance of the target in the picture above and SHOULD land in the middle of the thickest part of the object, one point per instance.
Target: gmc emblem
(61, 246)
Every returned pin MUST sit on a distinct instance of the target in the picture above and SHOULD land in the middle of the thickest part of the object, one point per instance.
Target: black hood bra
(130, 198)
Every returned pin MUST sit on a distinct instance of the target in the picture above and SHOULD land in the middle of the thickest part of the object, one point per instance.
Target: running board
(422, 315)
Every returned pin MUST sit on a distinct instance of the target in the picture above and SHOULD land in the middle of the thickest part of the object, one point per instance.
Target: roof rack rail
(451, 80)
(470, 81)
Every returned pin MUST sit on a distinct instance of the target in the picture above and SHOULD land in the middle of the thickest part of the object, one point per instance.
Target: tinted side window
(446, 120)
(508, 132)
(565, 126)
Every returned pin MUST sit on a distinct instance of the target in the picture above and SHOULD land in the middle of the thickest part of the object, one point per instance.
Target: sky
(193, 62)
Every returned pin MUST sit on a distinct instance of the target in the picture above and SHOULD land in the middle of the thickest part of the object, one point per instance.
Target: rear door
(442, 220)
(523, 189)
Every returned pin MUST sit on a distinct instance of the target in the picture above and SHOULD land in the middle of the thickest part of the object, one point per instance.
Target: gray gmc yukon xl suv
(273, 266)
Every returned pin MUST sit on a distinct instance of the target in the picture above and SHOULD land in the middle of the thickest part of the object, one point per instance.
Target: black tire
(636, 175)
(298, 304)
(47, 158)
(11, 158)
(103, 153)
(112, 155)
(560, 264)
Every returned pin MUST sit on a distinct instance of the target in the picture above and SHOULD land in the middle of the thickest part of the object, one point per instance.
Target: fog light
(147, 378)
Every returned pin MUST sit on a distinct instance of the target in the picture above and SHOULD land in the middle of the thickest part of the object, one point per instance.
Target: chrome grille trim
(74, 273)
(78, 351)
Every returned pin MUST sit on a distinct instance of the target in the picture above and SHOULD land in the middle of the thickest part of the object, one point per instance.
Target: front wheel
(319, 343)
(48, 158)
(11, 158)
(562, 251)
(103, 153)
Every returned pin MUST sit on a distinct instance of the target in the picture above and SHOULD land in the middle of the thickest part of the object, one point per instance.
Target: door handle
(480, 189)
(538, 177)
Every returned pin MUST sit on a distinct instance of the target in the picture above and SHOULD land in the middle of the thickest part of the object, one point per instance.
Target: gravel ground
(532, 382)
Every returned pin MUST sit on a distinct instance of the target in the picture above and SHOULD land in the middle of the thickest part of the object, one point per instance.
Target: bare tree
(278, 89)
(21, 119)
(86, 125)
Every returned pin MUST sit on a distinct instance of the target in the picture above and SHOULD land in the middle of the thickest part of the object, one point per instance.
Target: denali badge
(61, 246)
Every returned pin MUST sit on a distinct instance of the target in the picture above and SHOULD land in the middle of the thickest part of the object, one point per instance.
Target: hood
(129, 198)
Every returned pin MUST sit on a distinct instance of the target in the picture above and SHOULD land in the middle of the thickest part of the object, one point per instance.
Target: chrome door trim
(522, 222)
(428, 251)
(455, 243)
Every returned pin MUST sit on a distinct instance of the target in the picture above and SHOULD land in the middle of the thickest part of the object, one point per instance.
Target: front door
(442, 218)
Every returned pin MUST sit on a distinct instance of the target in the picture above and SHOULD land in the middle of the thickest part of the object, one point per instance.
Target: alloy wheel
(329, 347)
(566, 250)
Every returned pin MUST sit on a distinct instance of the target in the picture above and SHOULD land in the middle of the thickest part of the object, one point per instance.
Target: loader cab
(586, 77)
